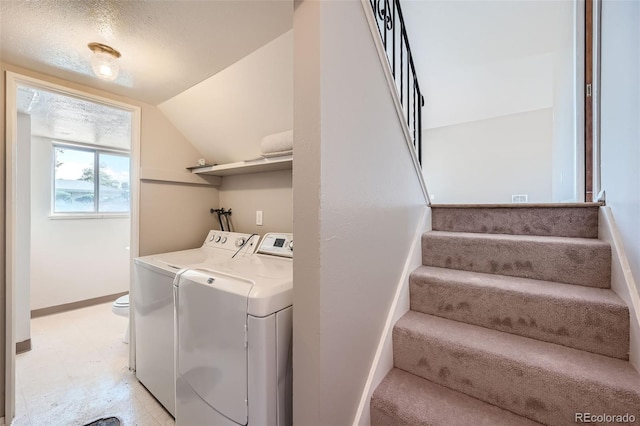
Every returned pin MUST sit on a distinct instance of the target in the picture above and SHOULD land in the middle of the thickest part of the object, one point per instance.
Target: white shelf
(177, 176)
(242, 167)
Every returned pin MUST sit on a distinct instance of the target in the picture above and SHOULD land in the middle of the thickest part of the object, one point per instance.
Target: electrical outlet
(522, 198)
(259, 217)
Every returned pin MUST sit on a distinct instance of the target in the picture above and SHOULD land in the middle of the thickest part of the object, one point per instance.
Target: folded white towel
(277, 154)
(277, 142)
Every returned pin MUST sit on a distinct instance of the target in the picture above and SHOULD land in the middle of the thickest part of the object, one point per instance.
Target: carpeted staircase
(512, 322)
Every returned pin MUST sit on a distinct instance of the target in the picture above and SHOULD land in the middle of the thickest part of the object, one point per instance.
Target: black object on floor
(108, 421)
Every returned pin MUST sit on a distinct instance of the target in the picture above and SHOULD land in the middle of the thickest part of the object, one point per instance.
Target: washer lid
(170, 263)
(218, 247)
(211, 326)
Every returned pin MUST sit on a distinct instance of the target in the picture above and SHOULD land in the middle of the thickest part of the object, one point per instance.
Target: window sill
(66, 216)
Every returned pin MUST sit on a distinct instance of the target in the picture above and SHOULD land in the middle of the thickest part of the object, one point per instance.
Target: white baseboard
(383, 360)
(622, 281)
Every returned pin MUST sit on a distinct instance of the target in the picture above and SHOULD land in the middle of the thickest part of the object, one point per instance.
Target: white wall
(457, 169)
(357, 204)
(269, 192)
(71, 259)
(568, 97)
(23, 256)
(620, 123)
(227, 115)
(480, 61)
(479, 91)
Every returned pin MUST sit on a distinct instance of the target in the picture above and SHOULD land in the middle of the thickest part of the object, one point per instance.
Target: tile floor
(77, 372)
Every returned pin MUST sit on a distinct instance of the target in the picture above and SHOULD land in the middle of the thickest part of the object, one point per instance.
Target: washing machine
(153, 306)
(233, 339)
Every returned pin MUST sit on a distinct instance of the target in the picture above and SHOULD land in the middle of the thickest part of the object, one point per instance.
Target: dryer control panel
(277, 244)
(231, 241)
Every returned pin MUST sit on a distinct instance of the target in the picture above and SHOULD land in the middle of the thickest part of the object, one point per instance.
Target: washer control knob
(239, 242)
(212, 237)
(224, 240)
(218, 238)
(291, 245)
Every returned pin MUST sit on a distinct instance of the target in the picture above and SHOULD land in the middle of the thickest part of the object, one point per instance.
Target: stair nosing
(527, 284)
(546, 239)
(518, 205)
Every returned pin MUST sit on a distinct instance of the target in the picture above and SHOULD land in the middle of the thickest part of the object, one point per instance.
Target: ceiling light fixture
(104, 61)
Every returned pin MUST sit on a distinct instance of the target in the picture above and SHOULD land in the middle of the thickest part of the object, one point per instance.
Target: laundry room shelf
(177, 176)
(244, 167)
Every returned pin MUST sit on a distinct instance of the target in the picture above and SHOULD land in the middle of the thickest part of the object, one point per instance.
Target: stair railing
(390, 23)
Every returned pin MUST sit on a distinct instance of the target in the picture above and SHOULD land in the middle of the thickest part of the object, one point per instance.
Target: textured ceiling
(166, 46)
(71, 119)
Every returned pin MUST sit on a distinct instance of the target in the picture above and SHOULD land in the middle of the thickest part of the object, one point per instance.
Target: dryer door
(211, 316)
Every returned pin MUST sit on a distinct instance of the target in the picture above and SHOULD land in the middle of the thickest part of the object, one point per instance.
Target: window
(75, 187)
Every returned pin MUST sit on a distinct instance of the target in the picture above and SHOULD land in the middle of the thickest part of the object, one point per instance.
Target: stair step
(580, 261)
(586, 318)
(560, 220)
(542, 381)
(405, 399)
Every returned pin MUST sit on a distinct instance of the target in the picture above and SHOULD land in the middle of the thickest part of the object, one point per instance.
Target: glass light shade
(105, 65)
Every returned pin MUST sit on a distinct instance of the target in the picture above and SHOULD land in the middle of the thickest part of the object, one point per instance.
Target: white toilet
(121, 307)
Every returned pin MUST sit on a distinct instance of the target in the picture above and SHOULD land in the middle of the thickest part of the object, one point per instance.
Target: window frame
(96, 150)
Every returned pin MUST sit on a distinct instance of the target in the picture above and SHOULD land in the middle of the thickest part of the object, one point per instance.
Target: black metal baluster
(375, 14)
(420, 127)
(408, 70)
(401, 74)
(413, 116)
(384, 23)
(415, 113)
(389, 15)
(393, 51)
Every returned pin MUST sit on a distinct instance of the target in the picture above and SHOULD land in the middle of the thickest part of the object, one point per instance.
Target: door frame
(588, 91)
(588, 101)
(12, 81)
(596, 55)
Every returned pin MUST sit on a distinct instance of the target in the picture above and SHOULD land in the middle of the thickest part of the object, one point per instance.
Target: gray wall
(357, 204)
(23, 255)
(270, 192)
(620, 125)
